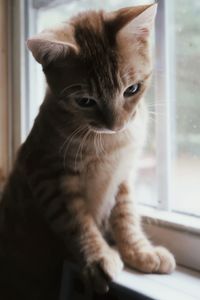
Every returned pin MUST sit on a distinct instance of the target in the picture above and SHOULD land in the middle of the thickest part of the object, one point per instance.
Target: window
(168, 185)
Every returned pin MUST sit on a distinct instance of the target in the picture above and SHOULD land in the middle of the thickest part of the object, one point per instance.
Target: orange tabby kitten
(72, 182)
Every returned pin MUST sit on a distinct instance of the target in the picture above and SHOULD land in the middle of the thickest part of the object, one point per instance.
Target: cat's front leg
(102, 263)
(136, 250)
(65, 210)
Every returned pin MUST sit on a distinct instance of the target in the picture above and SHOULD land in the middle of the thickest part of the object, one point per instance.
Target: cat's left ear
(52, 45)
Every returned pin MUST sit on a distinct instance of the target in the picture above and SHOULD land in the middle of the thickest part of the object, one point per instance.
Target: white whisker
(96, 144)
(81, 146)
(61, 148)
(79, 130)
(101, 143)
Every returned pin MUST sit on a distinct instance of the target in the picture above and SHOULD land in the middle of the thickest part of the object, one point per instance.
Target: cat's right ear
(132, 22)
(52, 45)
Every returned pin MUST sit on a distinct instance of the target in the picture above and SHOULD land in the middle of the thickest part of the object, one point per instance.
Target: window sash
(163, 95)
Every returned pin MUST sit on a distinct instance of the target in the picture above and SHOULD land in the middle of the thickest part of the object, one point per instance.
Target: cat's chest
(102, 181)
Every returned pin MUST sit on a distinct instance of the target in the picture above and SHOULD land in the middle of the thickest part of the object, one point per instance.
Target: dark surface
(72, 288)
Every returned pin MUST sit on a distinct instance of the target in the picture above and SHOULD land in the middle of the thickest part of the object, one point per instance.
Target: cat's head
(98, 65)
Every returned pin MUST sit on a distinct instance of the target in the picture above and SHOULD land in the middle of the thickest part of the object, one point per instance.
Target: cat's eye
(132, 90)
(86, 102)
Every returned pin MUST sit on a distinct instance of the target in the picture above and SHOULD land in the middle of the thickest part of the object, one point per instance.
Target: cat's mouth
(107, 131)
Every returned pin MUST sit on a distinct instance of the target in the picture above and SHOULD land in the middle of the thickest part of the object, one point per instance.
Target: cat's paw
(104, 270)
(151, 260)
(167, 261)
(111, 264)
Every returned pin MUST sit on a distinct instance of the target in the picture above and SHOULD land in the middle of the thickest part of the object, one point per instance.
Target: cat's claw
(104, 270)
(151, 260)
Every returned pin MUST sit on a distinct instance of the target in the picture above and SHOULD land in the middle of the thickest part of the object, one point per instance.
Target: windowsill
(183, 284)
(173, 220)
(179, 233)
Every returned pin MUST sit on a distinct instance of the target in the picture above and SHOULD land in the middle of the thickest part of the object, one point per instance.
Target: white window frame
(163, 120)
(178, 232)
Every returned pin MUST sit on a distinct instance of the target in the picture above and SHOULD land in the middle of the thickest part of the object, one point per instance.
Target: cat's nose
(118, 126)
(114, 121)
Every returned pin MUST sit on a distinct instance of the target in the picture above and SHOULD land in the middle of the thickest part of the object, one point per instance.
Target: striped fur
(71, 182)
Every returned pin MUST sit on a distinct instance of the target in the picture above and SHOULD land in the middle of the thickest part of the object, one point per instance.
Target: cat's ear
(135, 21)
(51, 45)
(142, 24)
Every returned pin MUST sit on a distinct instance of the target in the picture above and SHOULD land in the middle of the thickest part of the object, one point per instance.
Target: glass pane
(187, 110)
(146, 185)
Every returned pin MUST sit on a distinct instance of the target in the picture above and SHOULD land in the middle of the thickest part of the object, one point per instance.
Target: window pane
(146, 185)
(187, 110)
